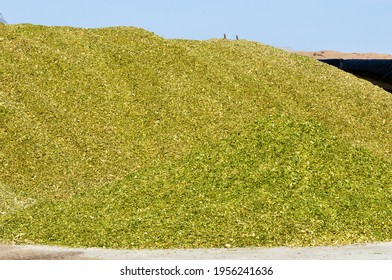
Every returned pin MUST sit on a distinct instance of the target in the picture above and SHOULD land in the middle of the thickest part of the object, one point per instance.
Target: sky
(308, 25)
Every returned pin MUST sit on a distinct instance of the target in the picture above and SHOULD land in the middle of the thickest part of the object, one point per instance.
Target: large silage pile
(119, 138)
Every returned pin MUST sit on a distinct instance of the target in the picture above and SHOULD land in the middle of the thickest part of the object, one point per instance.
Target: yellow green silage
(116, 137)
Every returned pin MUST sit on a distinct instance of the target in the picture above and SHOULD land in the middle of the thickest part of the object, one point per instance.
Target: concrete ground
(376, 251)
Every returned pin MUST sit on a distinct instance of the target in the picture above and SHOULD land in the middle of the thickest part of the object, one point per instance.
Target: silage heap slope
(116, 137)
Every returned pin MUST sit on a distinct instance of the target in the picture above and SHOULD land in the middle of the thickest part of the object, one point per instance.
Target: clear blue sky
(343, 25)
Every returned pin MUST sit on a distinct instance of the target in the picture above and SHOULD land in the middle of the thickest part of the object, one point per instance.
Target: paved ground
(376, 251)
